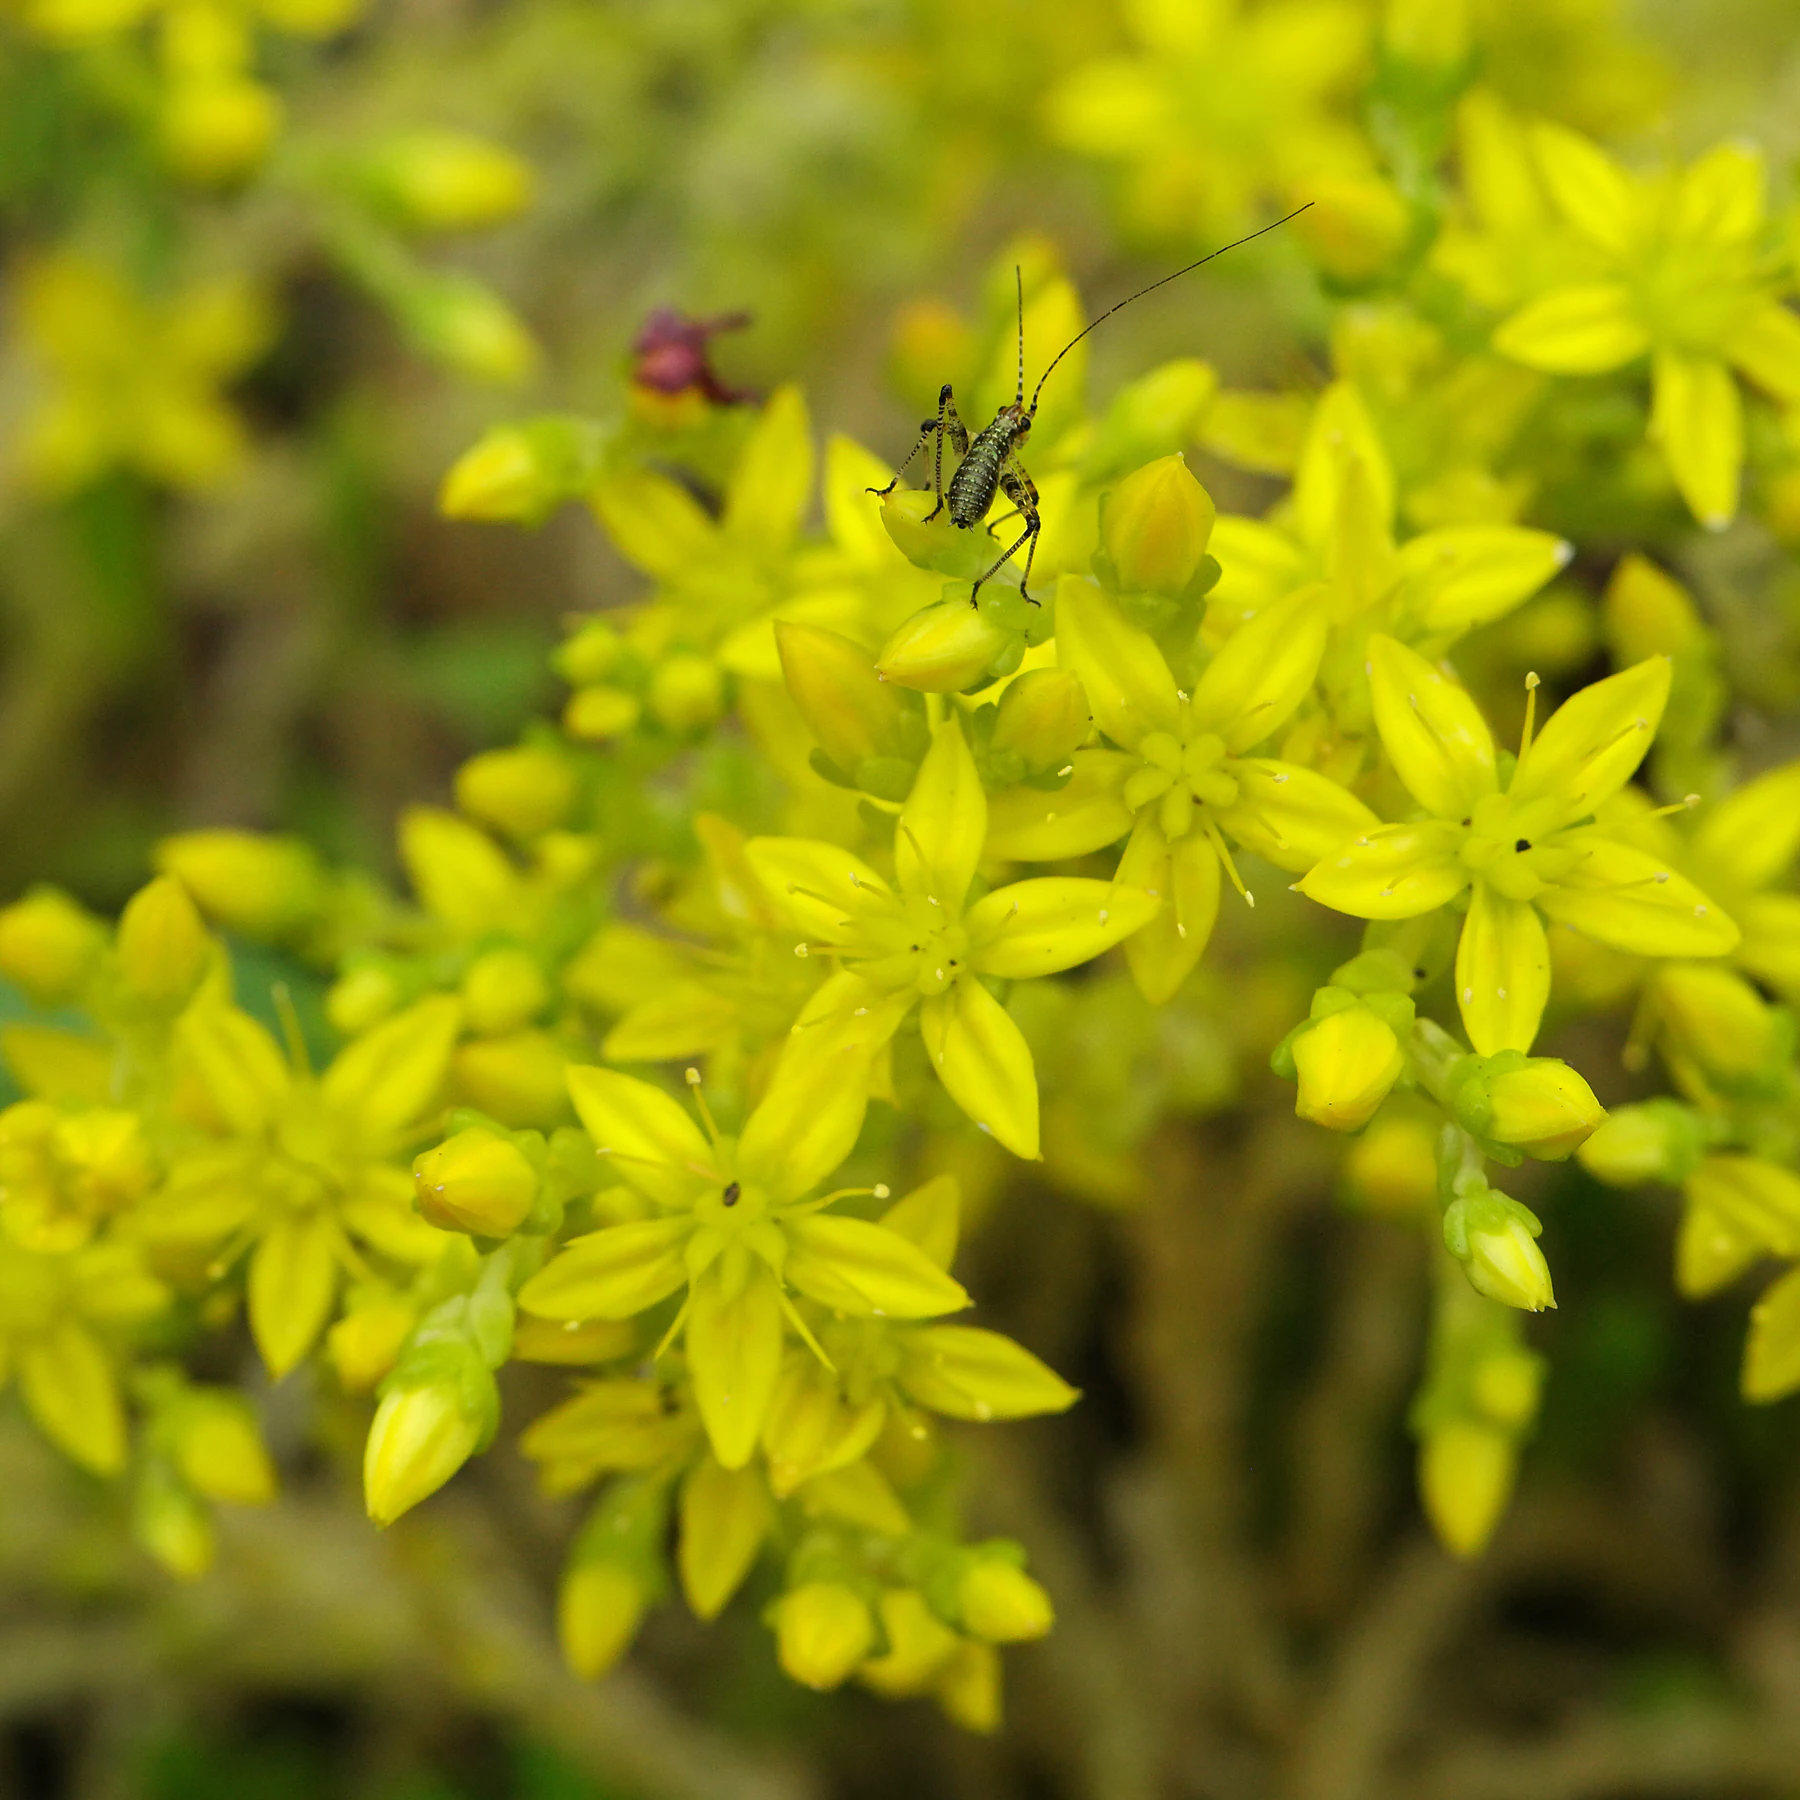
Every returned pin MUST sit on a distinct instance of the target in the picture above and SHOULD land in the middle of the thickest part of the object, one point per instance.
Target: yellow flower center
(1181, 776)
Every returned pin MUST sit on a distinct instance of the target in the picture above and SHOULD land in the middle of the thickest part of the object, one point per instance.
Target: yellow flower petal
(389, 1078)
(1342, 446)
(1028, 824)
(810, 1114)
(1771, 946)
(1392, 872)
(1749, 838)
(734, 1355)
(966, 1373)
(1264, 671)
(1719, 198)
(656, 523)
(293, 1280)
(1591, 191)
(1502, 972)
(983, 1060)
(73, 1393)
(1591, 746)
(1698, 420)
(611, 1274)
(1633, 901)
(1437, 739)
(725, 1515)
(1258, 565)
(943, 824)
(827, 891)
(648, 1139)
(1186, 874)
(773, 480)
(1128, 683)
(1040, 927)
(867, 1270)
(1290, 815)
(1772, 1350)
(1766, 347)
(1469, 575)
(1576, 331)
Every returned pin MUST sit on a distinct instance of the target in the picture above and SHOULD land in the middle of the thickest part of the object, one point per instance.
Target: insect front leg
(927, 428)
(1021, 490)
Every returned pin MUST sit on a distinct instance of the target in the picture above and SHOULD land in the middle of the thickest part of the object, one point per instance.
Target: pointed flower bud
(1465, 1478)
(48, 944)
(1001, 1603)
(447, 180)
(438, 1408)
(1536, 1104)
(945, 648)
(1657, 1140)
(477, 1182)
(598, 1610)
(171, 1524)
(364, 995)
(687, 692)
(822, 1631)
(968, 1687)
(260, 885)
(1348, 1056)
(1495, 1240)
(1043, 719)
(162, 943)
(596, 715)
(590, 655)
(1713, 1018)
(1154, 529)
(856, 717)
(365, 1342)
(502, 990)
(524, 791)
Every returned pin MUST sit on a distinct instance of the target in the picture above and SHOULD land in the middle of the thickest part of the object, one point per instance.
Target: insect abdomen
(971, 490)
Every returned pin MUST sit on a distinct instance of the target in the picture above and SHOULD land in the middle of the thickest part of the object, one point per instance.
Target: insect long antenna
(1019, 285)
(1151, 289)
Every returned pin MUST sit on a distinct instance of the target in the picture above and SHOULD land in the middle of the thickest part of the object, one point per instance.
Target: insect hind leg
(1021, 490)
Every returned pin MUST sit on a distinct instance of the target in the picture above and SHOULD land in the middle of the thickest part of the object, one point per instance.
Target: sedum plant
(845, 877)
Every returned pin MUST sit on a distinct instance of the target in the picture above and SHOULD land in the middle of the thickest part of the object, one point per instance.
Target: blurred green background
(256, 616)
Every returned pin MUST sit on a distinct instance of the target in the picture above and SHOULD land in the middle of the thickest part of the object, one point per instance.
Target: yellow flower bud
(419, 1438)
(853, 714)
(220, 1451)
(919, 1644)
(1154, 528)
(933, 543)
(1465, 1478)
(1043, 719)
(943, 649)
(1543, 1108)
(449, 181)
(1346, 1062)
(822, 1631)
(217, 127)
(468, 327)
(1392, 1167)
(497, 478)
(1506, 1386)
(1648, 613)
(477, 1182)
(263, 886)
(1357, 225)
(162, 943)
(597, 714)
(524, 791)
(598, 1610)
(687, 692)
(1658, 1140)
(1495, 1240)
(48, 944)
(590, 655)
(518, 1079)
(362, 997)
(968, 1687)
(364, 1344)
(503, 989)
(1713, 1017)
(1002, 1604)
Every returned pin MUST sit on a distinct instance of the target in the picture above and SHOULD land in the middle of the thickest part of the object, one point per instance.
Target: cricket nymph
(989, 462)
